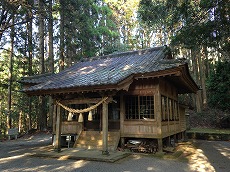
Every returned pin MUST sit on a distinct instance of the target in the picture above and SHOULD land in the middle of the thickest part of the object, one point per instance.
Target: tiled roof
(106, 70)
(36, 79)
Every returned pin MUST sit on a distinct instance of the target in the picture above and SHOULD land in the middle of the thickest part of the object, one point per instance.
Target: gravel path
(14, 156)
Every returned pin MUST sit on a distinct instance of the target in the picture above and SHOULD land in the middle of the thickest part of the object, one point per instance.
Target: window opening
(139, 107)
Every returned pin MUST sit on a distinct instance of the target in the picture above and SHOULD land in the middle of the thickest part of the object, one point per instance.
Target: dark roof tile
(110, 69)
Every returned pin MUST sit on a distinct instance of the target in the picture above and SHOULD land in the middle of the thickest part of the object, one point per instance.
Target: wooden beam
(105, 128)
(57, 145)
(84, 89)
(125, 84)
(81, 101)
(168, 72)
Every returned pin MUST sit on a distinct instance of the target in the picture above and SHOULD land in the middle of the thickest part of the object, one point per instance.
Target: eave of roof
(35, 79)
(112, 72)
(187, 83)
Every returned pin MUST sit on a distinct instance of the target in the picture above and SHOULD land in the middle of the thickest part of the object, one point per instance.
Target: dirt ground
(198, 155)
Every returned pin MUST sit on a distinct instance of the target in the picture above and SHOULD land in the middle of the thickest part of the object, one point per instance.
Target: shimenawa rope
(82, 110)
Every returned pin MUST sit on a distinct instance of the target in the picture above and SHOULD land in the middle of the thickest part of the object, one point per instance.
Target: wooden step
(93, 140)
(111, 148)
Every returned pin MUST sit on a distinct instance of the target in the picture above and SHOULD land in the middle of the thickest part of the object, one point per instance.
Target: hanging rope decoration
(82, 110)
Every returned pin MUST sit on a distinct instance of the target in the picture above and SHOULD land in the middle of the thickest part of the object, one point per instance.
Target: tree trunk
(42, 114)
(30, 57)
(10, 75)
(42, 122)
(190, 54)
(196, 73)
(30, 42)
(50, 30)
(61, 60)
(203, 77)
(51, 60)
(41, 38)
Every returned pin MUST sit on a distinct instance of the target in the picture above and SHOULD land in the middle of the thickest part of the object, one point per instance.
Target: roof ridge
(171, 61)
(120, 54)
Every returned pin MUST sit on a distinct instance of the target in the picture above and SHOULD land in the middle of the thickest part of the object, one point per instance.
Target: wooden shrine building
(106, 100)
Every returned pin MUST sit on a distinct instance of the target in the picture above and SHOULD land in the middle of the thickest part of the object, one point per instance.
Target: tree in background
(7, 12)
(133, 33)
(125, 17)
(12, 35)
(50, 58)
(219, 86)
(86, 30)
(42, 117)
(16, 17)
(201, 23)
(197, 30)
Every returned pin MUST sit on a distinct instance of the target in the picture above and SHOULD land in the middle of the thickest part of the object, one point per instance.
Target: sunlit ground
(225, 151)
(7, 159)
(80, 163)
(197, 161)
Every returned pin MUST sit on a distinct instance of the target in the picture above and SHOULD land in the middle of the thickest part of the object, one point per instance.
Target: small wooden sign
(12, 132)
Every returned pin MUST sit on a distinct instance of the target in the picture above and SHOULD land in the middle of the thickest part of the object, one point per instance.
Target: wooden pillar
(122, 142)
(54, 117)
(183, 135)
(175, 139)
(122, 118)
(168, 141)
(122, 114)
(105, 128)
(157, 112)
(57, 145)
(160, 145)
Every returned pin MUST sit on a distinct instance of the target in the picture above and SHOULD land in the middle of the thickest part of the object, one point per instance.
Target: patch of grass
(174, 155)
(209, 130)
(159, 154)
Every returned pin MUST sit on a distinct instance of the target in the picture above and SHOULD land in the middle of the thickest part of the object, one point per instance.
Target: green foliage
(4, 78)
(193, 23)
(88, 27)
(88, 31)
(133, 33)
(219, 86)
(8, 11)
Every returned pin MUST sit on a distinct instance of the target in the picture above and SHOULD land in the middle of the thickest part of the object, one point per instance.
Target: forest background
(47, 36)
